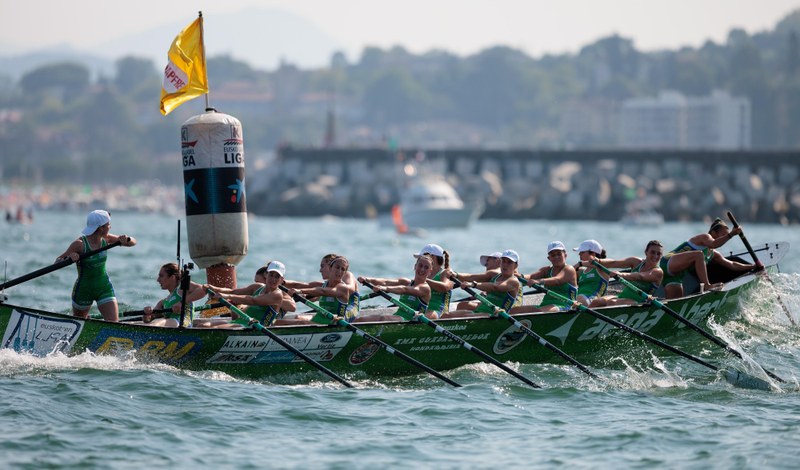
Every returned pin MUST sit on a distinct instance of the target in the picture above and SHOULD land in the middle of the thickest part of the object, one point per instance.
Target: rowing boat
(247, 353)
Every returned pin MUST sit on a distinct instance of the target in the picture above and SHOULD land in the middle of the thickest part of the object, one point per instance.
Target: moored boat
(248, 353)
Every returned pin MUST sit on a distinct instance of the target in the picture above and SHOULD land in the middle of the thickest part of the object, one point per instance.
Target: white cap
(95, 220)
(590, 245)
(556, 245)
(278, 267)
(485, 258)
(511, 254)
(431, 249)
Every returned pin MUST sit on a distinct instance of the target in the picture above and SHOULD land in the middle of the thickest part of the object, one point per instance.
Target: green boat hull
(249, 354)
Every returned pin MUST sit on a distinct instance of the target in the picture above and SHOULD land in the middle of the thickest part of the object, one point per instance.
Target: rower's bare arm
(124, 240)
(73, 251)
(288, 304)
(630, 262)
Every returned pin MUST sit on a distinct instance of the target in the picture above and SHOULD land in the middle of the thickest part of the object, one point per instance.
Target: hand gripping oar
(649, 298)
(761, 265)
(245, 320)
(56, 266)
(371, 338)
(456, 339)
(502, 313)
(733, 377)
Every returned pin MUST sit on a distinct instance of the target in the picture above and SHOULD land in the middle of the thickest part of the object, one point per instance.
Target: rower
(694, 255)
(645, 274)
(502, 289)
(441, 286)
(558, 277)
(267, 303)
(414, 293)
(592, 283)
(336, 294)
(169, 279)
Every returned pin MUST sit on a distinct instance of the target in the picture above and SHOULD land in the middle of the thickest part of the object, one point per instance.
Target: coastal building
(671, 120)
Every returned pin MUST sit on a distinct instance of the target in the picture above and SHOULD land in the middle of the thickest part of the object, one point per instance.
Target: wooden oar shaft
(55, 266)
(453, 337)
(388, 348)
(539, 339)
(244, 319)
(719, 342)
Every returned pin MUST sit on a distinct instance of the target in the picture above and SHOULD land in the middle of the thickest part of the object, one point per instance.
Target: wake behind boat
(247, 353)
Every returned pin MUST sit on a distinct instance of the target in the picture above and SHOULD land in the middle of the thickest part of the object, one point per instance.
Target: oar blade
(743, 380)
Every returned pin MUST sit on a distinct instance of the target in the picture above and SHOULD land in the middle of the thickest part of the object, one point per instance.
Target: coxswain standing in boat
(695, 254)
(414, 293)
(645, 274)
(169, 278)
(335, 294)
(266, 303)
(93, 283)
(441, 286)
(501, 289)
(592, 282)
(559, 277)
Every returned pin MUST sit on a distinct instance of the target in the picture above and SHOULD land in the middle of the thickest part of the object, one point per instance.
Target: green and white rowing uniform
(504, 300)
(93, 283)
(677, 278)
(646, 287)
(347, 310)
(566, 290)
(591, 284)
(175, 298)
(413, 301)
(440, 301)
(265, 314)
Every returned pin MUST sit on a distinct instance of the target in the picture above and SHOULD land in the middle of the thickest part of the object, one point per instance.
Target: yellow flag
(185, 75)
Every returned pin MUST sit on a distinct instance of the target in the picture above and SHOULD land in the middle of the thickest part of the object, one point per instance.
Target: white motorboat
(431, 203)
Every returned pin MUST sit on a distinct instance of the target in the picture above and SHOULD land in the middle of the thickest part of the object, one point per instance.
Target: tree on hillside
(68, 80)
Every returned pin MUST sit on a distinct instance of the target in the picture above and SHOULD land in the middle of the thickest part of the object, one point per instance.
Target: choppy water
(90, 411)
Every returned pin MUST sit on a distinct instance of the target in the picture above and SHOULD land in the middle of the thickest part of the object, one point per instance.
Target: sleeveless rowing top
(347, 310)
(440, 301)
(174, 298)
(646, 287)
(567, 290)
(504, 300)
(265, 314)
(93, 267)
(591, 283)
(413, 301)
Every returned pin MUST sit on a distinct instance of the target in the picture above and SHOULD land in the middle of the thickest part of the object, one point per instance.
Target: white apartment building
(718, 121)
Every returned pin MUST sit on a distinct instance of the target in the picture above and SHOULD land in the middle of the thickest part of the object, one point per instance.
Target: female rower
(324, 270)
(694, 254)
(592, 282)
(559, 277)
(336, 295)
(93, 283)
(441, 285)
(169, 278)
(267, 303)
(645, 274)
(415, 293)
(502, 289)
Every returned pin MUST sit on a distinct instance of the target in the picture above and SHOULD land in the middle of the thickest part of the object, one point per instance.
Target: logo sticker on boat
(363, 353)
(510, 338)
(40, 335)
(166, 348)
(261, 349)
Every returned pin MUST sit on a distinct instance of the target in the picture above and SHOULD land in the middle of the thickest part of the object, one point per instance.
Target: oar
(649, 298)
(456, 339)
(502, 313)
(761, 265)
(245, 320)
(469, 297)
(371, 338)
(56, 266)
(734, 377)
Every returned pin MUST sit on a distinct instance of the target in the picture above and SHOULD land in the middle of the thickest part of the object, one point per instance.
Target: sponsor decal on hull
(261, 349)
(171, 349)
(39, 335)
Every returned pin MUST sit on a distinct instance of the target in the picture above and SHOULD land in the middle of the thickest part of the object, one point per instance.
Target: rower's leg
(110, 311)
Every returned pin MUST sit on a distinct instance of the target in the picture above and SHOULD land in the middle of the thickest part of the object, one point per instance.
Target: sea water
(92, 411)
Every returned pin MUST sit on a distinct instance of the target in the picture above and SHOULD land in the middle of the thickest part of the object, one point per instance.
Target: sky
(459, 26)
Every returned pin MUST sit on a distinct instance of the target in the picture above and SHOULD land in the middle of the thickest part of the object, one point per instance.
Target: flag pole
(203, 47)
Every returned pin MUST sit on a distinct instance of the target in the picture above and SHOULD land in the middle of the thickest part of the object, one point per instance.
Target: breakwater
(537, 184)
